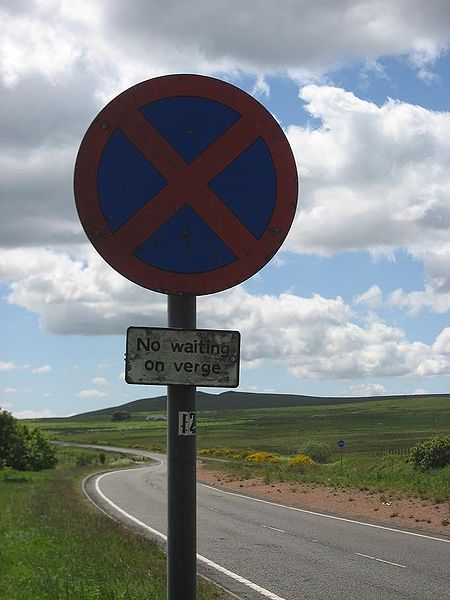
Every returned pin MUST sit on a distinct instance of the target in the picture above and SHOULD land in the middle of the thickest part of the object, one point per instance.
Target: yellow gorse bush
(300, 459)
(263, 457)
(252, 456)
(222, 452)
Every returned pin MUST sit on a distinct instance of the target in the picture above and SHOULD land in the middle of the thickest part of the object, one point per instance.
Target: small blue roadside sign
(341, 443)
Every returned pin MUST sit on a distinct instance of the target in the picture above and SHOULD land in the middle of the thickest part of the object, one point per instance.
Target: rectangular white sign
(203, 357)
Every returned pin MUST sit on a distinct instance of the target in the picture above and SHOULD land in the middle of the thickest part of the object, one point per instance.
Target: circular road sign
(185, 184)
(341, 443)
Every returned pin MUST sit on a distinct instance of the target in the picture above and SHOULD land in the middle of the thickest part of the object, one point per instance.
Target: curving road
(259, 549)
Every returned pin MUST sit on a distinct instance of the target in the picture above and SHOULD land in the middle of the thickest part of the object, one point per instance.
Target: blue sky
(356, 302)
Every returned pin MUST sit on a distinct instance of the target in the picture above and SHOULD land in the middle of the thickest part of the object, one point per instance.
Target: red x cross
(187, 184)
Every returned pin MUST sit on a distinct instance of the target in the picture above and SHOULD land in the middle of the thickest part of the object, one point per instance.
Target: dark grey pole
(181, 470)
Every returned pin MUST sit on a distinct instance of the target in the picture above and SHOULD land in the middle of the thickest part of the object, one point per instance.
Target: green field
(377, 433)
(56, 546)
(372, 426)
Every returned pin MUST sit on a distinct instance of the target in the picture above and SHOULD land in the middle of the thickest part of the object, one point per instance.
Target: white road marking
(388, 562)
(317, 514)
(210, 563)
(120, 510)
(236, 577)
(273, 528)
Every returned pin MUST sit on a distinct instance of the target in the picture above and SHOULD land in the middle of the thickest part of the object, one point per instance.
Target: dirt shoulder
(390, 510)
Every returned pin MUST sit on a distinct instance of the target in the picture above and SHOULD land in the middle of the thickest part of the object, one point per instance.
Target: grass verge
(389, 473)
(56, 546)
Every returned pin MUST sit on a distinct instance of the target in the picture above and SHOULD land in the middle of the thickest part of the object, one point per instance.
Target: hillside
(241, 400)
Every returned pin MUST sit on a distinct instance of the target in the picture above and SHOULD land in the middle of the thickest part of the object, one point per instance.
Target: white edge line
(311, 512)
(240, 579)
(203, 559)
(120, 510)
(272, 528)
(388, 562)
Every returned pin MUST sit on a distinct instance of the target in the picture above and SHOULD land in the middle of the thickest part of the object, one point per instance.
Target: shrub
(84, 459)
(263, 457)
(224, 452)
(220, 451)
(300, 460)
(319, 452)
(214, 452)
(24, 448)
(431, 454)
(121, 415)
(40, 453)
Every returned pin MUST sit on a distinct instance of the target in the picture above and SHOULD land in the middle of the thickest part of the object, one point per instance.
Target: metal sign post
(181, 469)
(341, 444)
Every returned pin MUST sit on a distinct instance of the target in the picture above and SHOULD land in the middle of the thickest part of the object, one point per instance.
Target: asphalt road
(261, 550)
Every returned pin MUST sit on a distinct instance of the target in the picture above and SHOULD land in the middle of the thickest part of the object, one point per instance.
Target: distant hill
(235, 400)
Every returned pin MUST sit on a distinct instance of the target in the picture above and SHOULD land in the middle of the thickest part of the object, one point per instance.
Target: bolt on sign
(204, 357)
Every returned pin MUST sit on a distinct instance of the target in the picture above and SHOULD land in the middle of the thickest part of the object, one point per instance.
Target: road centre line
(273, 528)
(203, 559)
(388, 562)
(317, 514)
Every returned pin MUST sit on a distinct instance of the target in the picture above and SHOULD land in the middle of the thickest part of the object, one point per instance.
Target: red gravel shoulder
(387, 509)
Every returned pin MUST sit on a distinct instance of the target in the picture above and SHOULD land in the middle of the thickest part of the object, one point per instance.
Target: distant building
(156, 418)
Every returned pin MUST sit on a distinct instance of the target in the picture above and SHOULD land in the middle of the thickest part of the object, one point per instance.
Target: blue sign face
(186, 184)
(186, 243)
(341, 443)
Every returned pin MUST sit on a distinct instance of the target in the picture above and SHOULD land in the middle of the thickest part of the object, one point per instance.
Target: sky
(356, 302)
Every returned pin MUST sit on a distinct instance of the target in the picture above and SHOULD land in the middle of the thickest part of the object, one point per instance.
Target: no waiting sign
(186, 184)
(160, 356)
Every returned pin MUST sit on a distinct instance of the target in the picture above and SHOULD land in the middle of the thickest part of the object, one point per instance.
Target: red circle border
(250, 259)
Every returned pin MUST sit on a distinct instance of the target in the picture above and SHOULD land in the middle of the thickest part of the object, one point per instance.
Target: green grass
(56, 546)
(390, 473)
(370, 429)
(373, 426)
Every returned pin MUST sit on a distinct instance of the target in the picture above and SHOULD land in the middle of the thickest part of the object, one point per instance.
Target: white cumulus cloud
(8, 365)
(313, 337)
(442, 343)
(41, 370)
(33, 414)
(368, 389)
(100, 381)
(373, 297)
(373, 177)
(91, 394)
(14, 390)
(436, 292)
